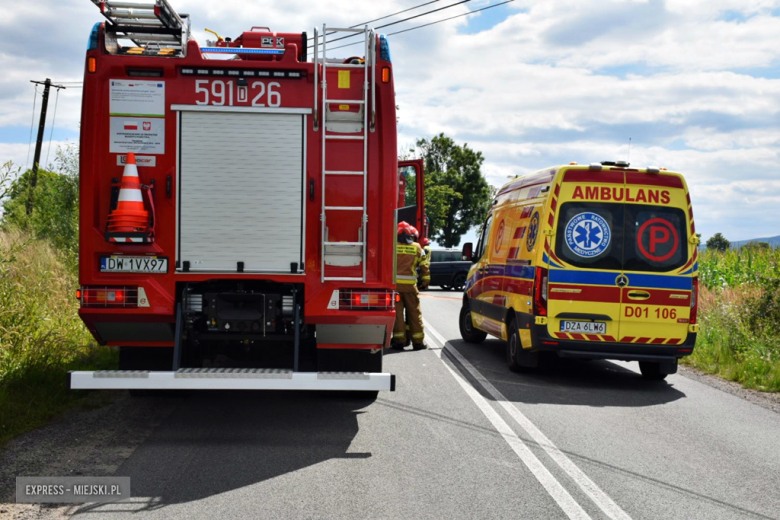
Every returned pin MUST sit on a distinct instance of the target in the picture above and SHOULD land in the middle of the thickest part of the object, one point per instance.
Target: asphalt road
(462, 437)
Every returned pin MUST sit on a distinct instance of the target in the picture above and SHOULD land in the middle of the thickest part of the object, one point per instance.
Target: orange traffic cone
(130, 216)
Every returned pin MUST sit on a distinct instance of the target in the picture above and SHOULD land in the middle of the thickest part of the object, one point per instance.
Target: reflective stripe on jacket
(408, 259)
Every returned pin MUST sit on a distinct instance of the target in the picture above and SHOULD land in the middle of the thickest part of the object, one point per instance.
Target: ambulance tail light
(540, 292)
(366, 299)
(694, 301)
(109, 297)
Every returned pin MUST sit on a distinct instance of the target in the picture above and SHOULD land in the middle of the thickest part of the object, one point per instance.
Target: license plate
(588, 327)
(133, 264)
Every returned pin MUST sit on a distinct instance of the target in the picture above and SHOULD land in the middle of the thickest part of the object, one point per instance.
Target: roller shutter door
(240, 191)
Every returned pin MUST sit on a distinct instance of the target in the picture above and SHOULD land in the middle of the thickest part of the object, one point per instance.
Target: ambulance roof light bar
(619, 164)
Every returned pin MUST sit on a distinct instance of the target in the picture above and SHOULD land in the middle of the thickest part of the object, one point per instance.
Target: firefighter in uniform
(426, 245)
(409, 256)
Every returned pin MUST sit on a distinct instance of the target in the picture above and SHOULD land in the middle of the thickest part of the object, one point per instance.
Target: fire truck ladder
(334, 127)
(155, 28)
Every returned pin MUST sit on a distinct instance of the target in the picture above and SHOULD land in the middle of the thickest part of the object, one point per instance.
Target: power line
(32, 123)
(390, 15)
(53, 119)
(432, 23)
(451, 17)
(405, 19)
(382, 18)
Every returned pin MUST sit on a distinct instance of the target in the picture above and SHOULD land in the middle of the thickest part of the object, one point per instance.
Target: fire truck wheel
(467, 330)
(145, 358)
(651, 371)
(459, 281)
(366, 396)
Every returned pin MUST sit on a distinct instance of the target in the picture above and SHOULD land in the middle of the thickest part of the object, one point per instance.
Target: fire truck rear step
(230, 379)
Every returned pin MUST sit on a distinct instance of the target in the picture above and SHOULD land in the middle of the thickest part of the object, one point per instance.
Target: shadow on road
(567, 381)
(220, 441)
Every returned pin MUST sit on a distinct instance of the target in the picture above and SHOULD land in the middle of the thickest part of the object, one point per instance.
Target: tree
(457, 196)
(718, 242)
(757, 246)
(56, 209)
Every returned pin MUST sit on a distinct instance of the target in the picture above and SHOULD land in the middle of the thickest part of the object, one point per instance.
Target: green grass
(739, 312)
(41, 335)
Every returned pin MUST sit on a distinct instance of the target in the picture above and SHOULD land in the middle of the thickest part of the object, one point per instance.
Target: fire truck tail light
(78, 294)
(91, 65)
(366, 299)
(385, 74)
(108, 296)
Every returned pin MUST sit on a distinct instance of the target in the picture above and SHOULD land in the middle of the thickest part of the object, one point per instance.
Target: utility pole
(39, 142)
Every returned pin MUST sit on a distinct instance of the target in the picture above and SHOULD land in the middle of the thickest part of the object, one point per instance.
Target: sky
(694, 84)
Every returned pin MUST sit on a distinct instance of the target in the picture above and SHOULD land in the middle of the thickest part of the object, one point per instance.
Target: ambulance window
(590, 235)
(656, 238)
(483, 238)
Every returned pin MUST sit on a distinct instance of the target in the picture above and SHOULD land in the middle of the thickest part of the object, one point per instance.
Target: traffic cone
(130, 216)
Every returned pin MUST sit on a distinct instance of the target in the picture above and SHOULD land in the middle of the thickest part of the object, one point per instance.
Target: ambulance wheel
(459, 281)
(651, 371)
(517, 358)
(468, 332)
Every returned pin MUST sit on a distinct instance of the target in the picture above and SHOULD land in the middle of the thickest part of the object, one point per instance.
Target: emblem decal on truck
(588, 235)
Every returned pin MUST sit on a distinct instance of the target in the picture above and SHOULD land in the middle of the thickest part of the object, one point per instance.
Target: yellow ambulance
(595, 261)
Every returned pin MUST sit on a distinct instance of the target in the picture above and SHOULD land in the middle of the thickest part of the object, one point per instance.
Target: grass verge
(41, 335)
(739, 310)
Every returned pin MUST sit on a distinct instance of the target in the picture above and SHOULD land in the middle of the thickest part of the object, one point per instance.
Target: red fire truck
(255, 249)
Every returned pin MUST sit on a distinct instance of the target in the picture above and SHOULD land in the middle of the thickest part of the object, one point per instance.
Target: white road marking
(601, 499)
(562, 497)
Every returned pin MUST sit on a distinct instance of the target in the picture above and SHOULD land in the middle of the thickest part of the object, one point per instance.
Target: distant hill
(772, 241)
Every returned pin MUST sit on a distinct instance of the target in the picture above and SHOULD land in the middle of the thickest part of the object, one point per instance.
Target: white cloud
(556, 81)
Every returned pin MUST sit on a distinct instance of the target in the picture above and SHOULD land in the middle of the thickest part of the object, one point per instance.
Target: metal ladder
(153, 27)
(359, 248)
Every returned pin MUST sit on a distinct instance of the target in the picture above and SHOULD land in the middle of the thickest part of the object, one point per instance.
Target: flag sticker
(137, 134)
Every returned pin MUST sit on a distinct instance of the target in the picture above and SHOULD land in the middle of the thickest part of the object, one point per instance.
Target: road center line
(595, 493)
(562, 497)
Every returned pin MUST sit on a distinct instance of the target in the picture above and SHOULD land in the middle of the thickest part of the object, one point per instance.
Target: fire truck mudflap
(212, 251)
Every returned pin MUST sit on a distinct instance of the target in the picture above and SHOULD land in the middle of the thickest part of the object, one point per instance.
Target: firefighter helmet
(405, 233)
(425, 241)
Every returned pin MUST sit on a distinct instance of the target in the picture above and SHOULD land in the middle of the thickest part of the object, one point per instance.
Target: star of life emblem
(588, 235)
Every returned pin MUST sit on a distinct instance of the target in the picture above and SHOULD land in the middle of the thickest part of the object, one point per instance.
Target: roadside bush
(55, 203)
(41, 335)
(740, 317)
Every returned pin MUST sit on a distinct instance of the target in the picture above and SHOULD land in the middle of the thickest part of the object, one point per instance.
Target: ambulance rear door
(656, 292)
(586, 257)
